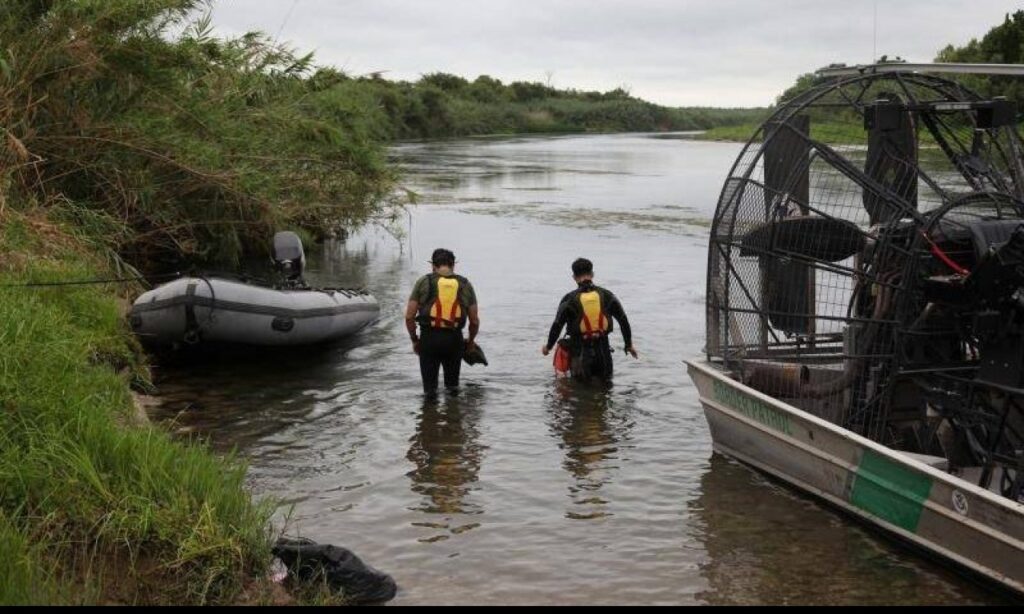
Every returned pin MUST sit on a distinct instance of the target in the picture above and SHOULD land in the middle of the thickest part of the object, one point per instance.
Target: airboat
(865, 308)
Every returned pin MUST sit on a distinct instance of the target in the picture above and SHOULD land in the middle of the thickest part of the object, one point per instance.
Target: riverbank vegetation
(831, 132)
(132, 140)
(175, 148)
(124, 148)
(827, 132)
(444, 105)
(1002, 44)
(95, 504)
(188, 147)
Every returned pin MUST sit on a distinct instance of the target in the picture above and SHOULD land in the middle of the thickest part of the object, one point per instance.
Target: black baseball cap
(442, 257)
(582, 266)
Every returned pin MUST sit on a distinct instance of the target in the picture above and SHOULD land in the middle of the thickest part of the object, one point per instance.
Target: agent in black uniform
(587, 313)
(441, 302)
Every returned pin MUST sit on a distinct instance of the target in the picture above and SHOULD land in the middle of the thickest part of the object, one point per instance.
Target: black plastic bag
(475, 356)
(341, 569)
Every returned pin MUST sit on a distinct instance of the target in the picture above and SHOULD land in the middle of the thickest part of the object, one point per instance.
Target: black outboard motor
(289, 258)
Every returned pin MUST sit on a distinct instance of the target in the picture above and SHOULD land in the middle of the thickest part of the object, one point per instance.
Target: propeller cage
(841, 248)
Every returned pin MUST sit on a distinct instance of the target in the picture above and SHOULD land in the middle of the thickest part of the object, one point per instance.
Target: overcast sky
(674, 52)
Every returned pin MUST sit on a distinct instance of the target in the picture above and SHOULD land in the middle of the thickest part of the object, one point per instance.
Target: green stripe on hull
(751, 407)
(890, 491)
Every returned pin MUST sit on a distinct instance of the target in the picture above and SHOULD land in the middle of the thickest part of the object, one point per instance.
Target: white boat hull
(215, 310)
(942, 513)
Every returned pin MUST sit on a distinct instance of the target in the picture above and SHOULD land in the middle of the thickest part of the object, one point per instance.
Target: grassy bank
(94, 505)
(834, 133)
(133, 140)
(127, 117)
(123, 147)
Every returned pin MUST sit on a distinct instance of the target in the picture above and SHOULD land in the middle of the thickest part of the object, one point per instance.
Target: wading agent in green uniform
(587, 313)
(442, 303)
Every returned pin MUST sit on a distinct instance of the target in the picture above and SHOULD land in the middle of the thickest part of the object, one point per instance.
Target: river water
(525, 489)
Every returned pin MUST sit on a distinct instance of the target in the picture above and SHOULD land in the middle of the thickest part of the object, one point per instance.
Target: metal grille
(843, 234)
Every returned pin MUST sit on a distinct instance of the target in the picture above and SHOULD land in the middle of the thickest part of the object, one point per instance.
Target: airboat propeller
(865, 308)
(877, 282)
(816, 238)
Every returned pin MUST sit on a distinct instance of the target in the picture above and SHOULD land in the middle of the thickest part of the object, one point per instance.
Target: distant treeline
(445, 105)
(1003, 44)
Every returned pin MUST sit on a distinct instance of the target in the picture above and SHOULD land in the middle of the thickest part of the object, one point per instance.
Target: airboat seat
(989, 234)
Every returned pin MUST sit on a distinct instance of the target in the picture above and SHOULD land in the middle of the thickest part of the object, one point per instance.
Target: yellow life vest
(446, 311)
(593, 322)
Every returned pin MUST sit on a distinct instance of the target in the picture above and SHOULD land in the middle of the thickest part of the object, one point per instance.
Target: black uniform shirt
(569, 314)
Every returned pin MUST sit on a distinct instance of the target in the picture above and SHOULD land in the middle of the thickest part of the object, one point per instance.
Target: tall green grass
(25, 577)
(82, 494)
(132, 138)
(128, 115)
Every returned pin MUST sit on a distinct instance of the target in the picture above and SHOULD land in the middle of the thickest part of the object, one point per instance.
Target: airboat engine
(289, 257)
(866, 264)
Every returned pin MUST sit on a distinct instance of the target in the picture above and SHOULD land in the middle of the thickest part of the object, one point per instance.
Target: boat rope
(90, 282)
(347, 292)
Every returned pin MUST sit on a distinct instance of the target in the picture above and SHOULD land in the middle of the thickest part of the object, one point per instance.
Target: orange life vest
(445, 310)
(593, 321)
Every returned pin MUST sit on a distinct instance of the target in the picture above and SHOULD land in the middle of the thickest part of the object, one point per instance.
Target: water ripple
(526, 489)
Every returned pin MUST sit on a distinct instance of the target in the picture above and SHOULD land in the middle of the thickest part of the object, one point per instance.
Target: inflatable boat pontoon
(194, 310)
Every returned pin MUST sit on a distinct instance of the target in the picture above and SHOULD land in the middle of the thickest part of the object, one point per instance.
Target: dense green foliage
(92, 505)
(132, 138)
(444, 105)
(1003, 44)
(183, 145)
(174, 146)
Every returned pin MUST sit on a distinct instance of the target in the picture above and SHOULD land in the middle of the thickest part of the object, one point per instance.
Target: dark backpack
(342, 570)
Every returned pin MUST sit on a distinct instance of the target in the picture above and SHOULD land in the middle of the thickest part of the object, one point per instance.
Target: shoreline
(101, 505)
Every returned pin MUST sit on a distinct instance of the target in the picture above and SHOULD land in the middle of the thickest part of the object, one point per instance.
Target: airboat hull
(899, 493)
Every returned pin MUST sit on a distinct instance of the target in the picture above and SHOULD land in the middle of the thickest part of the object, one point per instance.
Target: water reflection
(767, 545)
(592, 427)
(447, 453)
(337, 260)
(283, 387)
(345, 435)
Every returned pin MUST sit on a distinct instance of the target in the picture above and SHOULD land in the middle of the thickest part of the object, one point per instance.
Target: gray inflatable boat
(194, 310)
